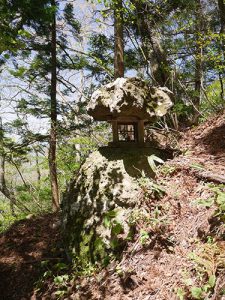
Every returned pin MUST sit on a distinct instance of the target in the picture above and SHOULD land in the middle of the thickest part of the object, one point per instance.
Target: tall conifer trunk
(118, 36)
(221, 6)
(198, 63)
(53, 116)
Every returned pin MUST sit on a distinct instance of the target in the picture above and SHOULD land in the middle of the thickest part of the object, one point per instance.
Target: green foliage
(197, 166)
(58, 274)
(150, 188)
(196, 293)
(110, 221)
(180, 293)
(71, 20)
(207, 260)
(6, 217)
(70, 155)
(217, 199)
(214, 102)
(144, 237)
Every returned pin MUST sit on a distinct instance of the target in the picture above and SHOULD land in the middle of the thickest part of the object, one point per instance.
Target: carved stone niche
(128, 104)
(127, 130)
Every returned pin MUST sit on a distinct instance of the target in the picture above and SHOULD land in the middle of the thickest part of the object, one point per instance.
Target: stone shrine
(129, 104)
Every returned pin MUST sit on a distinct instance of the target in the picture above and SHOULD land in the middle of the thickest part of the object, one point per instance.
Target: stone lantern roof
(129, 98)
(128, 104)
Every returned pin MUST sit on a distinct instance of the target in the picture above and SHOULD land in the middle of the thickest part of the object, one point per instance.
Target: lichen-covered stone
(127, 97)
(106, 188)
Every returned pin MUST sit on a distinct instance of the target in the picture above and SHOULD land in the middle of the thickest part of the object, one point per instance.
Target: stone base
(134, 157)
(105, 188)
(129, 145)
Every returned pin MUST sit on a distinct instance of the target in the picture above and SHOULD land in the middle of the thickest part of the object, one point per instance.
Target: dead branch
(209, 176)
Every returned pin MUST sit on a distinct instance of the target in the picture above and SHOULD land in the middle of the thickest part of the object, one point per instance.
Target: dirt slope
(156, 268)
(159, 269)
(22, 248)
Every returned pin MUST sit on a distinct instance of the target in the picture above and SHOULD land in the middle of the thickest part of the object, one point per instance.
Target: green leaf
(111, 213)
(6, 56)
(61, 279)
(106, 222)
(196, 292)
(152, 159)
(44, 263)
(60, 266)
(47, 274)
(180, 293)
(117, 229)
(220, 198)
(212, 280)
(197, 166)
(205, 202)
(60, 293)
(144, 236)
(114, 243)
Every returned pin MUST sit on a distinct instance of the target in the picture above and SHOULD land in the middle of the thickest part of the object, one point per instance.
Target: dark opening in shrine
(127, 132)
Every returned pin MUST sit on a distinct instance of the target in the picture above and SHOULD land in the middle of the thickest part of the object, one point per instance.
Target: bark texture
(53, 116)
(199, 29)
(119, 44)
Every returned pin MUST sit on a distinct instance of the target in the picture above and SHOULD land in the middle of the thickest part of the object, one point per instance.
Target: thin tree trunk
(154, 52)
(159, 64)
(6, 192)
(3, 187)
(198, 65)
(118, 36)
(37, 166)
(198, 85)
(221, 6)
(53, 116)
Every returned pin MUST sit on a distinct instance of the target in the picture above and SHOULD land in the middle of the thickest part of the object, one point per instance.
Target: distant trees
(33, 23)
(180, 42)
(55, 64)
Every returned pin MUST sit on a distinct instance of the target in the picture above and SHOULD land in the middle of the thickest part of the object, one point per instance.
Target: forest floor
(161, 268)
(23, 249)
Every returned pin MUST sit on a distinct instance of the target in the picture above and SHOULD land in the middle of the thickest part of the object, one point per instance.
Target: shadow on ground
(22, 249)
(214, 141)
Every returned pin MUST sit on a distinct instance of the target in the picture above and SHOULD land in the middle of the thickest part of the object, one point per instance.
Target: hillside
(178, 253)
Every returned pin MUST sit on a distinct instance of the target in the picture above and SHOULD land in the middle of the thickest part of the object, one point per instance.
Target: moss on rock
(106, 187)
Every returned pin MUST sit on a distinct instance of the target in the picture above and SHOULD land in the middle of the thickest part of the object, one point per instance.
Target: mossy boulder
(98, 202)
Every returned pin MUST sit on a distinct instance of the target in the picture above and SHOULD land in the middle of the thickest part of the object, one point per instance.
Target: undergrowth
(208, 258)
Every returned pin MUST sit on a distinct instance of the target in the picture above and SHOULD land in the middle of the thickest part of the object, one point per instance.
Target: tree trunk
(53, 116)
(37, 166)
(154, 52)
(118, 36)
(221, 6)
(199, 29)
(159, 64)
(6, 192)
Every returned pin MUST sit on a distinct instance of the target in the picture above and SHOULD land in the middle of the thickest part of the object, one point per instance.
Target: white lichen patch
(146, 101)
